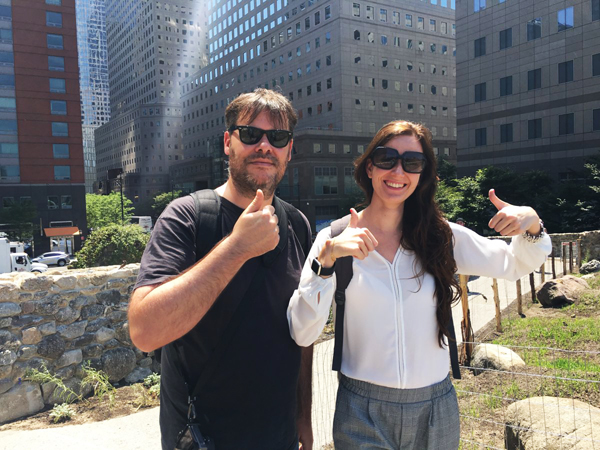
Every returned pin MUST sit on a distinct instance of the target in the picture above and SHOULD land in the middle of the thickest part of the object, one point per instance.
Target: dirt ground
(88, 410)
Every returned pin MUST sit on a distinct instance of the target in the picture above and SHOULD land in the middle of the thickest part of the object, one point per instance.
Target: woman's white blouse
(390, 327)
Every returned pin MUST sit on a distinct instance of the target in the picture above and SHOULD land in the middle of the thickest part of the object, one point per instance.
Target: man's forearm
(167, 312)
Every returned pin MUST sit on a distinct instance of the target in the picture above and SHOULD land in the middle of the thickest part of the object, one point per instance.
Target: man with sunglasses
(257, 394)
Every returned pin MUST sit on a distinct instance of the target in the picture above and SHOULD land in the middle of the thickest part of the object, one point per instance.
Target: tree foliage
(19, 221)
(111, 245)
(103, 210)
(162, 200)
(565, 207)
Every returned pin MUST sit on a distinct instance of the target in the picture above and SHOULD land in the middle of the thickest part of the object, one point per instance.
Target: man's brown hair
(250, 105)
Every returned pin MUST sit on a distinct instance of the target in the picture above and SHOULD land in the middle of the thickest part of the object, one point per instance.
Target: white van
(143, 221)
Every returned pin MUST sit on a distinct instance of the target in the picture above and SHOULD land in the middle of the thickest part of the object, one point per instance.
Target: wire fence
(544, 397)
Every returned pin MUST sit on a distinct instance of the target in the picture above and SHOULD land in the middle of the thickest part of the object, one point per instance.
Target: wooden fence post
(519, 298)
(579, 254)
(571, 257)
(532, 286)
(564, 257)
(465, 325)
(553, 268)
(543, 272)
(497, 302)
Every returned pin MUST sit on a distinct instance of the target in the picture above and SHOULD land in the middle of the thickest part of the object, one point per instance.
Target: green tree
(446, 171)
(162, 200)
(103, 210)
(112, 244)
(19, 220)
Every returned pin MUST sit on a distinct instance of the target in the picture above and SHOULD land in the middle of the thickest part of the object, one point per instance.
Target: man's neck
(228, 191)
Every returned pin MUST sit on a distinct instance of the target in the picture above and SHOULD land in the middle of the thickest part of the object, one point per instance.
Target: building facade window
(479, 47)
(506, 86)
(9, 172)
(595, 9)
(566, 124)
(534, 79)
(506, 38)
(596, 121)
(534, 129)
(62, 172)
(60, 129)
(565, 19)
(54, 41)
(420, 23)
(480, 137)
(56, 63)
(326, 180)
(8, 104)
(60, 150)
(356, 9)
(480, 92)
(53, 19)
(53, 201)
(596, 64)
(506, 133)
(534, 29)
(8, 148)
(8, 127)
(66, 202)
(478, 5)
(58, 107)
(565, 72)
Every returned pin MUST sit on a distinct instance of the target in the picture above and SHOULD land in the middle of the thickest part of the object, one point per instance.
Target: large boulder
(557, 293)
(492, 356)
(118, 363)
(590, 267)
(22, 400)
(551, 423)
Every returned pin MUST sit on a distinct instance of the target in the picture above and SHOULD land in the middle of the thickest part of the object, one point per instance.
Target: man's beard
(246, 183)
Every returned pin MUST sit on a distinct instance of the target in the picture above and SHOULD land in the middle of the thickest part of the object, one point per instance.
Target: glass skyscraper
(93, 78)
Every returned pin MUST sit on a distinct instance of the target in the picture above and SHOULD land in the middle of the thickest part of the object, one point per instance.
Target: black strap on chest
(208, 221)
(343, 275)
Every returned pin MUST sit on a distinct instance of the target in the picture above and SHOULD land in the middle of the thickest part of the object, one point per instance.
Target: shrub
(111, 245)
(61, 413)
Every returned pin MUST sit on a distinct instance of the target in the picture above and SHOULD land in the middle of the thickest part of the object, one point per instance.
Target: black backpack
(343, 275)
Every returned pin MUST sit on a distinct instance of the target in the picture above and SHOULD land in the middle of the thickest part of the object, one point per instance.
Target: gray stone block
(96, 324)
(82, 341)
(118, 363)
(9, 309)
(31, 336)
(5, 322)
(66, 372)
(117, 316)
(27, 307)
(48, 306)
(138, 374)
(91, 312)
(9, 292)
(26, 321)
(73, 330)
(69, 357)
(52, 346)
(93, 350)
(145, 362)
(27, 352)
(109, 297)
(47, 328)
(122, 330)
(105, 334)
(67, 315)
(5, 385)
(9, 341)
(21, 367)
(81, 301)
(113, 343)
(7, 357)
(37, 283)
(5, 371)
(66, 282)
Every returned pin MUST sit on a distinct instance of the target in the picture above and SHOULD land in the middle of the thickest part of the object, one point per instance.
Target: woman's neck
(382, 220)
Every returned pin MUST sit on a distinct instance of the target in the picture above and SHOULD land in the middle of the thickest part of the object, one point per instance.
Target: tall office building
(93, 78)
(41, 155)
(528, 85)
(151, 47)
(347, 67)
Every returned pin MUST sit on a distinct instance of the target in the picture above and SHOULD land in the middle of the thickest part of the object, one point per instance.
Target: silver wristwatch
(534, 238)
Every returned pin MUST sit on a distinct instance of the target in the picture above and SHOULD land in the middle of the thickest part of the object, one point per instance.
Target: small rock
(138, 374)
(145, 362)
(9, 292)
(122, 330)
(27, 352)
(21, 400)
(26, 321)
(109, 297)
(67, 315)
(492, 356)
(48, 307)
(83, 340)
(9, 341)
(556, 293)
(93, 351)
(27, 307)
(37, 283)
(66, 372)
(66, 282)
(117, 316)
(9, 309)
(5, 371)
(590, 267)
(5, 322)
(31, 336)
(96, 324)
(82, 301)
(113, 343)
(90, 312)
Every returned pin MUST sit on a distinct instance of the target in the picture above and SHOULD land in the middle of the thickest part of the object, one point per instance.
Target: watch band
(320, 270)
(534, 238)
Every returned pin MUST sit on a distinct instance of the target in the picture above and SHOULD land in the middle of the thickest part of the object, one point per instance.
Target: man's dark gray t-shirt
(251, 399)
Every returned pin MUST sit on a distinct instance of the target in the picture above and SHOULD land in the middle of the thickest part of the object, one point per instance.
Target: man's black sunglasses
(387, 158)
(252, 135)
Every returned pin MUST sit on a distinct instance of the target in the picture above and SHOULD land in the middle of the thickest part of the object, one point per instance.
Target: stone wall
(61, 320)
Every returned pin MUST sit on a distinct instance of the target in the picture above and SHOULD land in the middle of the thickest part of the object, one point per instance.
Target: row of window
(397, 42)
(534, 79)
(566, 125)
(53, 201)
(410, 107)
(408, 18)
(10, 172)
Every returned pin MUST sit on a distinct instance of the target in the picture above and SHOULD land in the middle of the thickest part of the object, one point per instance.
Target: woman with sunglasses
(395, 390)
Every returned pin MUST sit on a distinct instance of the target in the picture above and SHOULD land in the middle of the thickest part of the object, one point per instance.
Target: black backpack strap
(453, 349)
(298, 224)
(208, 221)
(343, 275)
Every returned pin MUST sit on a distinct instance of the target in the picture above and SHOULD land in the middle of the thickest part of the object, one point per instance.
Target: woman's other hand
(513, 220)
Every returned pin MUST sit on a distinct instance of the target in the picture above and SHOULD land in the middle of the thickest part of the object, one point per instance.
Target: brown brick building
(41, 151)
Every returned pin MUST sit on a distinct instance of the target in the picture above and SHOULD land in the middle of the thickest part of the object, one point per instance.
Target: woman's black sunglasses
(387, 158)
(253, 135)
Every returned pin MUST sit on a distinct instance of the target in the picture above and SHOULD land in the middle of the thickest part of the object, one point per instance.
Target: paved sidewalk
(136, 431)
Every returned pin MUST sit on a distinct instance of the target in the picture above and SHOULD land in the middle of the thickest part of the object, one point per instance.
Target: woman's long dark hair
(424, 229)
